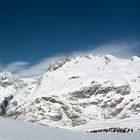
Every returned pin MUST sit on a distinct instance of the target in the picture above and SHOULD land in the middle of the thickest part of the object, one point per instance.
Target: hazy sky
(33, 30)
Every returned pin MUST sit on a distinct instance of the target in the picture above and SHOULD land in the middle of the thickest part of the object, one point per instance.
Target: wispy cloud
(38, 68)
(123, 49)
(16, 66)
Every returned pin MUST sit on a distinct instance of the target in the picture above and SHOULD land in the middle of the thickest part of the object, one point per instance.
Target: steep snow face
(79, 90)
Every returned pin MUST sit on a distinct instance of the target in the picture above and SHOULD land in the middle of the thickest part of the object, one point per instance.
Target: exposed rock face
(113, 130)
(58, 63)
(4, 104)
(96, 89)
(69, 109)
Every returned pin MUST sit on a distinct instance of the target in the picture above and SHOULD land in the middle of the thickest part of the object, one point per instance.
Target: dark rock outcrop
(4, 104)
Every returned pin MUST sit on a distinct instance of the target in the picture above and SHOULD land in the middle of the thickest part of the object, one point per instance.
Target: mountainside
(75, 93)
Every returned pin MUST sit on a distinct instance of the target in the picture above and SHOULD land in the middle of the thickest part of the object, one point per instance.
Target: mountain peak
(135, 58)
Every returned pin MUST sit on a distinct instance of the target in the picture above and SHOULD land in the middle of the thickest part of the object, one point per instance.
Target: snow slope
(14, 130)
(78, 92)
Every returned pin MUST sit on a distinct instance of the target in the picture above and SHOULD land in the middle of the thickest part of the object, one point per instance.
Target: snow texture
(15, 130)
(78, 93)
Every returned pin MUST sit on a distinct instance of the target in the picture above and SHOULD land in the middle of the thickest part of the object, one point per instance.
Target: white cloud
(16, 66)
(38, 68)
(119, 49)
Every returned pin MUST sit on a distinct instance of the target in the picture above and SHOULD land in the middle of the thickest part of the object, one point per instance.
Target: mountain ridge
(76, 91)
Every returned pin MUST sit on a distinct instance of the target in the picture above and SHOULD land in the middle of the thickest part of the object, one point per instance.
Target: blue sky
(33, 32)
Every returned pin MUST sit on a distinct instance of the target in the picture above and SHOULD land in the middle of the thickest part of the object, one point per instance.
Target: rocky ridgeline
(58, 63)
(113, 130)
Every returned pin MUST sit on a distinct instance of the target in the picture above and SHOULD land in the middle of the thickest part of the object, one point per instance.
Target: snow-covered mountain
(77, 92)
(9, 85)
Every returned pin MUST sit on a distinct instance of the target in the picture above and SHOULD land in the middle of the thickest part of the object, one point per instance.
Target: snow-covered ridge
(76, 92)
(9, 85)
